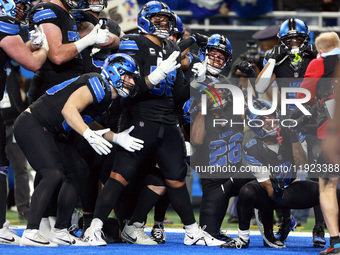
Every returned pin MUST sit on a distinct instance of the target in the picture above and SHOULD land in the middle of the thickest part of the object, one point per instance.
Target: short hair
(327, 41)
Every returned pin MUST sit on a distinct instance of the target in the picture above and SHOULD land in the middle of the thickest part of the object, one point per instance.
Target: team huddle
(136, 112)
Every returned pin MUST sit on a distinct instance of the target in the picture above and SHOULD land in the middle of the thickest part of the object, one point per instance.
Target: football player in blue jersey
(64, 59)
(152, 110)
(272, 155)
(41, 132)
(287, 64)
(31, 56)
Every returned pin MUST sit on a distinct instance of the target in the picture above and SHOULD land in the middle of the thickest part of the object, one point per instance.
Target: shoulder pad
(97, 86)
(9, 25)
(128, 42)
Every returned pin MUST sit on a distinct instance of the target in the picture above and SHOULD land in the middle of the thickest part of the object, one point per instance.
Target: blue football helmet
(116, 65)
(150, 10)
(219, 42)
(294, 36)
(96, 7)
(177, 27)
(76, 4)
(258, 123)
(14, 8)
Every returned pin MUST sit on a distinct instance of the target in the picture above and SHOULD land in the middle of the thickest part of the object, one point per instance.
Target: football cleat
(8, 236)
(332, 250)
(63, 237)
(319, 240)
(269, 239)
(236, 243)
(135, 234)
(158, 234)
(223, 236)
(94, 236)
(32, 237)
(285, 227)
(200, 237)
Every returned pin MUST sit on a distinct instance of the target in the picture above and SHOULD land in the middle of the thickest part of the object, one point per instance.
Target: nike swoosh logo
(40, 9)
(8, 240)
(191, 237)
(35, 241)
(133, 239)
(68, 242)
(11, 21)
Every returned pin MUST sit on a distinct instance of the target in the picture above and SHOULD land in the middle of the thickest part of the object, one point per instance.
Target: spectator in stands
(249, 12)
(206, 9)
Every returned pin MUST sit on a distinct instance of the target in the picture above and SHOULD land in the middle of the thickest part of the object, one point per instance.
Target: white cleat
(135, 234)
(8, 236)
(63, 237)
(200, 237)
(32, 237)
(94, 235)
(45, 228)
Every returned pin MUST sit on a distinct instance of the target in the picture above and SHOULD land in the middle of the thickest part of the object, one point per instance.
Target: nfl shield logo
(141, 124)
(279, 157)
(296, 75)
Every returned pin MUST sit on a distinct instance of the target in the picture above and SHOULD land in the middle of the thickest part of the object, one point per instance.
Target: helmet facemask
(162, 25)
(96, 5)
(217, 61)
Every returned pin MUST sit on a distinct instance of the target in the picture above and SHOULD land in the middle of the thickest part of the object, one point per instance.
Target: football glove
(38, 38)
(98, 35)
(277, 53)
(246, 68)
(201, 40)
(278, 184)
(128, 142)
(166, 67)
(97, 141)
(199, 69)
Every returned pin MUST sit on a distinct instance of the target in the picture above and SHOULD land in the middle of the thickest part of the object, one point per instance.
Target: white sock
(244, 234)
(52, 220)
(97, 223)
(191, 228)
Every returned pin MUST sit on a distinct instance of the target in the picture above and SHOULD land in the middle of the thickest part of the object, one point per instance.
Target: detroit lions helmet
(222, 44)
(117, 65)
(75, 4)
(177, 26)
(294, 36)
(150, 10)
(14, 8)
(262, 125)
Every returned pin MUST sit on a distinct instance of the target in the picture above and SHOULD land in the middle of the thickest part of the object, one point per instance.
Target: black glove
(201, 40)
(311, 50)
(290, 130)
(278, 184)
(277, 53)
(246, 68)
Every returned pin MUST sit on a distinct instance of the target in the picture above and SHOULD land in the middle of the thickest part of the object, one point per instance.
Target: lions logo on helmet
(262, 125)
(294, 36)
(117, 65)
(216, 64)
(150, 10)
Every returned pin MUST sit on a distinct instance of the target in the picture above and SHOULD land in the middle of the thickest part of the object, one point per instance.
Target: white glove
(96, 36)
(38, 38)
(199, 69)
(128, 142)
(166, 67)
(97, 141)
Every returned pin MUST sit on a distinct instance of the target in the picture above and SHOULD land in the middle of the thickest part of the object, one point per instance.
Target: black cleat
(332, 250)
(319, 240)
(236, 243)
